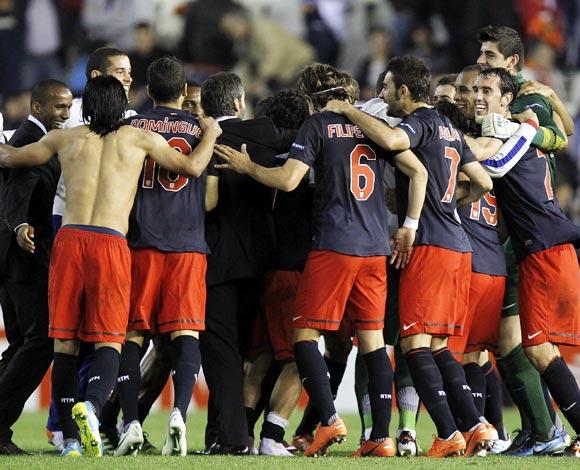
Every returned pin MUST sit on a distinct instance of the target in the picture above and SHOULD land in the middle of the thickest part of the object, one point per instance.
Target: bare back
(100, 175)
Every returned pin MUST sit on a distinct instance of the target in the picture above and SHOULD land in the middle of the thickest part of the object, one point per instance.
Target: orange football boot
(452, 447)
(477, 440)
(370, 448)
(326, 436)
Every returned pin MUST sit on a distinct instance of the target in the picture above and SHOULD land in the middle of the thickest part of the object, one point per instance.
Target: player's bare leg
(284, 398)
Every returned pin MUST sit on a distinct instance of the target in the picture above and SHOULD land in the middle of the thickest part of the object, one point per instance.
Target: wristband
(411, 223)
(532, 123)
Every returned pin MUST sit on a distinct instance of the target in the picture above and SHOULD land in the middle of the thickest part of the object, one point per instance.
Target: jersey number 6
(361, 172)
(168, 181)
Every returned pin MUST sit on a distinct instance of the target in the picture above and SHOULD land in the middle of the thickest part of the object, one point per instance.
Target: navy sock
(456, 388)
(336, 371)
(564, 389)
(314, 376)
(494, 399)
(65, 391)
(380, 391)
(185, 371)
(429, 385)
(310, 418)
(272, 431)
(129, 380)
(102, 376)
(475, 378)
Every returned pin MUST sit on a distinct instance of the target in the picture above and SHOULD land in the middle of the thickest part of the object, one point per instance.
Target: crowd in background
(267, 41)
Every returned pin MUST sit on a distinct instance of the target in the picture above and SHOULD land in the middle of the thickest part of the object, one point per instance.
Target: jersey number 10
(168, 181)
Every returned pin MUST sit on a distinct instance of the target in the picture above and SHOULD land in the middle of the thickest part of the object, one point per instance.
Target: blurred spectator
(325, 27)
(16, 109)
(444, 89)
(169, 22)
(203, 45)
(270, 58)
(114, 20)
(423, 46)
(542, 20)
(45, 26)
(144, 52)
(540, 64)
(11, 45)
(375, 63)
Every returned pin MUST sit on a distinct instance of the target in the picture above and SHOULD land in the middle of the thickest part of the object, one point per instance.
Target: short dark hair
(448, 79)
(287, 109)
(321, 83)
(165, 79)
(507, 39)
(99, 59)
(43, 89)
(219, 92)
(193, 84)
(413, 73)
(507, 83)
(471, 68)
(104, 104)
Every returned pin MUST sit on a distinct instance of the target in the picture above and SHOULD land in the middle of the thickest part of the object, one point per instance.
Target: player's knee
(541, 355)
(370, 340)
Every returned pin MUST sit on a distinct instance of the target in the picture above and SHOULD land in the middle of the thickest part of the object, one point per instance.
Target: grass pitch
(29, 434)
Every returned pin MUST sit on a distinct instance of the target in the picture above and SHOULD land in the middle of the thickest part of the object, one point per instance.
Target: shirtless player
(101, 163)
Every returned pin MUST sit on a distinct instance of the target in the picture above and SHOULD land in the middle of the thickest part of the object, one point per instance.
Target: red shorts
(334, 284)
(89, 285)
(259, 342)
(278, 303)
(168, 291)
(549, 296)
(481, 328)
(434, 291)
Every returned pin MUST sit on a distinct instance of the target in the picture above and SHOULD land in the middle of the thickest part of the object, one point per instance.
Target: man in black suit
(241, 237)
(26, 237)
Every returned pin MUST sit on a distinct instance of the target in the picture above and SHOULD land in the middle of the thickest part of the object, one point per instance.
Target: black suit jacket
(240, 230)
(27, 196)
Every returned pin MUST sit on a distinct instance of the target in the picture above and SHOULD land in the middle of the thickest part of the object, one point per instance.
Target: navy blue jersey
(169, 209)
(349, 210)
(443, 151)
(479, 220)
(528, 203)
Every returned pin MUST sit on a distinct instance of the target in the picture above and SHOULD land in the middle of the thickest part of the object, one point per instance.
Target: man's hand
(532, 87)
(25, 238)
(402, 245)
(495, 125)
(209, 124)
(525, 115)
(237, 161)
(337, 106)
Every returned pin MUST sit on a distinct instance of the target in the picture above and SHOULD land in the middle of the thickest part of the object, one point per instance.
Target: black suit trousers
(231, 310)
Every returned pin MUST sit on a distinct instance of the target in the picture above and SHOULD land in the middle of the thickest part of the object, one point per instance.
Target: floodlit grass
(29, 434)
